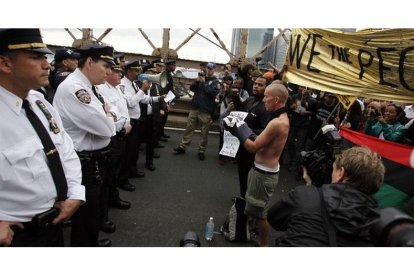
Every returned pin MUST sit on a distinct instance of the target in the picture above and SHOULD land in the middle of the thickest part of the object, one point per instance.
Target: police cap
(22, 39)
(136, 64)
(103, 52)
(148, 67)
(158, 61)
(170, 62)
(117, 65)
(64, 53)
(120, 57)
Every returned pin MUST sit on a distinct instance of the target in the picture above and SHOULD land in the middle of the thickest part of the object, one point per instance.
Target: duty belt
(94, 154)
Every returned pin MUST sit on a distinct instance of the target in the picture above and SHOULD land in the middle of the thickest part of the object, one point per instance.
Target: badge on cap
(83, 96)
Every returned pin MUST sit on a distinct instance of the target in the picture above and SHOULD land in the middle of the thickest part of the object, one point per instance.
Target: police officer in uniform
(170, 66)
(39, 167)
(66, 61)
(89, 121)
(110, 91)
(150, 117)
(129, 88)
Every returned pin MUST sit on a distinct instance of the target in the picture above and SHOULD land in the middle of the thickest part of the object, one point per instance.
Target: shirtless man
(268, 146)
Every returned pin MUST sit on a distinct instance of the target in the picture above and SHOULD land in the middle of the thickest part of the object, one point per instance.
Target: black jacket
(205, 93)
(351, 212)
(257, 116)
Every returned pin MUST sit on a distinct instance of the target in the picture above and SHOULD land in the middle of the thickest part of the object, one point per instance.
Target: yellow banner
(375, 63)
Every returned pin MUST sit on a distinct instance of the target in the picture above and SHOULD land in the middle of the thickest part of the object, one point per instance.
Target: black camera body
(319, 162)
(201, 74)
(374, 114)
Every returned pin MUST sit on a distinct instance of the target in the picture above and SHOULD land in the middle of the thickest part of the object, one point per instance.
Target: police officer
(170, 66)
(39, 167)
(129, 88)
(66, 61)
(89, 121)
(110, 91)
(150, 117)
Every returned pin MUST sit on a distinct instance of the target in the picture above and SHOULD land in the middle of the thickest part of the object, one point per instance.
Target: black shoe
(179, 150)
(165, 136)
(127, 187)
(156, 155)
(201, 156)
(162, 139)
(107, 227)
(103, 243)
(159, 146)
(120, 204)
(137, 174)
(151, 167)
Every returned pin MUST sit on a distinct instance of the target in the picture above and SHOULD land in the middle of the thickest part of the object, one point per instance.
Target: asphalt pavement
(181, 195)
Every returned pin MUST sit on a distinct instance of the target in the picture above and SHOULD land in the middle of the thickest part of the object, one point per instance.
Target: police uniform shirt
(82, 113)
(117, 99)
(130, 95)
(26, 183)
(145, 98)
(134, 98)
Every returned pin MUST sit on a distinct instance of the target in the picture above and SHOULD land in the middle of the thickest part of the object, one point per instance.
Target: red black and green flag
(398, 159)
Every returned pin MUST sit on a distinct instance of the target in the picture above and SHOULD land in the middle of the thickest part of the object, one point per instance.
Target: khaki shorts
(260, 188)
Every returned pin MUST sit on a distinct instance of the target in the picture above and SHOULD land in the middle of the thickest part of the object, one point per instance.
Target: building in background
(257, 39)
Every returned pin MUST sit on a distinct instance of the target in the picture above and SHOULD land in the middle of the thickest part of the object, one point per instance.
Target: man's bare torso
(277, 130)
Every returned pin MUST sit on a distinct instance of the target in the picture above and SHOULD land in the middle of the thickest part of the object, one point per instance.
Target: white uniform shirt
(117, 99)
(26, 183)
(134, 98)
(84, 119)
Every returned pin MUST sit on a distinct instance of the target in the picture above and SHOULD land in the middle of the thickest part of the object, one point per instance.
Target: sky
(131, 40)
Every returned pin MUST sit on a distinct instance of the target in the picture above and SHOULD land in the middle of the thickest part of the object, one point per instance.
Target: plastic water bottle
(209, 229)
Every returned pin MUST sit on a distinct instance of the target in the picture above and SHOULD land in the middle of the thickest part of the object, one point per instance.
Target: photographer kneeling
(351, 209)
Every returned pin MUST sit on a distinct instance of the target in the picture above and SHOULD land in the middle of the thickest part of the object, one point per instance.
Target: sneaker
(201, 156)
(179, 150)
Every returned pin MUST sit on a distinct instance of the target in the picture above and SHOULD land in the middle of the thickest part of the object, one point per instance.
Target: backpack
(236, 227)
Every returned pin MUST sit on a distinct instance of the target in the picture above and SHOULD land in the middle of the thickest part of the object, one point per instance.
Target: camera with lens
(190, 239)
(375, 114)
(394, 228)
(318, 163)
(201, 74)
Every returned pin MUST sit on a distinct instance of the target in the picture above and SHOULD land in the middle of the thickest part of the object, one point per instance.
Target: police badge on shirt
(83, 96)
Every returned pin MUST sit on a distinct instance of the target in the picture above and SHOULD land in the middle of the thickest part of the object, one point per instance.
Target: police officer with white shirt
(40, 180)
(110, 91)
(89, 120)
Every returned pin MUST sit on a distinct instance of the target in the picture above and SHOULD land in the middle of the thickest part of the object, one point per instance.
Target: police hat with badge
(64, 53)
(158, 62)
(136, 64)
(22, 39)
(119, 58)
(95, 51)
(118, 64)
